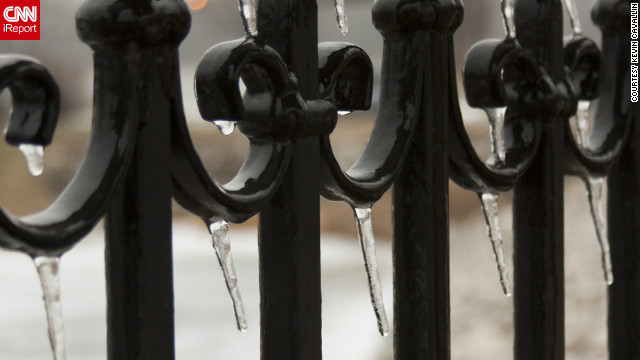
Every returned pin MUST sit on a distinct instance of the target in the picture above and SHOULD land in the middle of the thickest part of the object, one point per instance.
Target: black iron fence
(285, 91)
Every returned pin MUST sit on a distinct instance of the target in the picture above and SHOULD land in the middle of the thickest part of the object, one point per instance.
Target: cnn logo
(15, 13)
(20, 20)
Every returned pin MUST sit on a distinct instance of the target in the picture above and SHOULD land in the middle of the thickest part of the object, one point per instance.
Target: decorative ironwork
(140, 156)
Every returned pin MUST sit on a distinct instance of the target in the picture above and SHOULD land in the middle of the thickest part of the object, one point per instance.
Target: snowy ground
(205, 327)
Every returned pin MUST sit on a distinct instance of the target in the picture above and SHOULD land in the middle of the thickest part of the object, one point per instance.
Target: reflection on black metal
(140, 156)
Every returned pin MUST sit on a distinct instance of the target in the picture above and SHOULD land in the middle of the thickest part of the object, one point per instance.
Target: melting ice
(33, 155)
(490, 210)
(595, 187)
(496, 123)
(226, 127)
(222, 245)
(48, 271)
(343, 22)
(367, 242)
(248, 13)
(508, 14)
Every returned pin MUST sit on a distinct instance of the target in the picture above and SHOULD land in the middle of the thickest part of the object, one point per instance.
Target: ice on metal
(219, 230)
(572, 9)
(47, 267)
(496, 124)
(367, 243)
(508, 15)
(490, 210)
(595, 187)
(34, 156)
(343, 22)
(344, 112)
(249, 19)
(226, 127)
(582, 123)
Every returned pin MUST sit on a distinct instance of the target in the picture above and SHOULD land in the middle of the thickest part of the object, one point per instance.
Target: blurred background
(481, 315)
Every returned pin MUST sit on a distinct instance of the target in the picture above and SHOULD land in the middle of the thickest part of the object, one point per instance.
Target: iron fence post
(421, 222)
(135, 46)
(138, 247)
(538, 222)
(289, 228)
(624, 236)
(623, 214)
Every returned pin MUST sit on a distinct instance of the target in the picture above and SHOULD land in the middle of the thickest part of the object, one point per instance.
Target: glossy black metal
(135, 45)
(538, 201)
(623, 180)
(421, 224)
(219, 98)
(36, 100)
(624, 236)
(498, 74)
(118, 107)
(289, 233)
(374, 171)
(140, 151)
(416, 61)
(605, 75)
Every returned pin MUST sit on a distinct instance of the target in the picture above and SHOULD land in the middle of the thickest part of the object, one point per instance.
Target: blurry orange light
(196, 5)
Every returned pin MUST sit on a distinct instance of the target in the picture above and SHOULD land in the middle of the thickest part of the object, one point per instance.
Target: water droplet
(367, 243)
(343, 22)
(595, 187)
(226, 127)
(222, 245)
(582, 124)
(248, 13)
(572, 9)
(33, 155)
(48, 271)
(496, 124)
(344, 112)
(508, 15)
(490, 209)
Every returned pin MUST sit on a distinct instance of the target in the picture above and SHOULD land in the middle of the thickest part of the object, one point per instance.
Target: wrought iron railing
(285, 91)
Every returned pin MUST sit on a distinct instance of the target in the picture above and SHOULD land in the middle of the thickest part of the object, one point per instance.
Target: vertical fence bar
(138, 247)
(614, 19)
(421, 223)
(289, 229)
(136, 65)
(538, 203)
(624, 236)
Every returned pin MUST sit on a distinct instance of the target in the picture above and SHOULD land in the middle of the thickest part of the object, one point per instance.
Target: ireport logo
(20, 20)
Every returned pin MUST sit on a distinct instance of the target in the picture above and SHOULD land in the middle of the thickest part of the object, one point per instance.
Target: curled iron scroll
(604, 76)
(268, 114)
(498, 74)
(82, 203)
(401, 87)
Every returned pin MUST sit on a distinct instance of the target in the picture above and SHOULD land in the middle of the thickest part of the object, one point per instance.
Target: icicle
(226, 127)
(490, 209)
(572, 9)
(248, 13)
(595, 187)
(508, 15)
(343, 22)
(33, 155)
(582, 123)
(48, 271)
(496, 123)
(367, 243)
(222, 245)
(344, 112)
